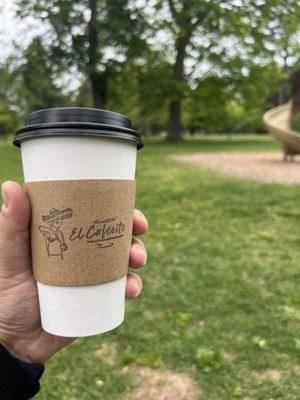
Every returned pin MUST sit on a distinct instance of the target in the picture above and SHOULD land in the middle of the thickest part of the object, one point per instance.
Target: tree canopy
(173, 66)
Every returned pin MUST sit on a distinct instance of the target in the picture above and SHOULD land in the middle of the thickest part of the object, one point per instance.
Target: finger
(140, 223)
(134, 286)
(16, 207)
(138, 254)
(14, 232)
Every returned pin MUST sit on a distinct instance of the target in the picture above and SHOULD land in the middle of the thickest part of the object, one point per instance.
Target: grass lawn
(221, 299)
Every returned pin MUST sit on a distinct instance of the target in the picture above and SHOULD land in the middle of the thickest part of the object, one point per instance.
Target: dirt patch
(274, 374)
(165, 385)
(107, 352)
(228, 357)
(197, 326)
(264, 167)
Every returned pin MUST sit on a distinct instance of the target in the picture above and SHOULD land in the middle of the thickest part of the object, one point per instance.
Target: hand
(21, 332)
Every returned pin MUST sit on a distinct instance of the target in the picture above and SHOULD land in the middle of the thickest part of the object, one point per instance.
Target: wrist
(16, 351)
(33, 370)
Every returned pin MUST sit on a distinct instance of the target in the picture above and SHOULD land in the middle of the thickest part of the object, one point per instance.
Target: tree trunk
(174, 128)
(282, 94)
(296, 93)
(97, 79)
(283, 83)
(174, 124)
(99, 89)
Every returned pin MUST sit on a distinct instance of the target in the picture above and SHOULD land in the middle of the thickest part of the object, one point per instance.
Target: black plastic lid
(77, 121)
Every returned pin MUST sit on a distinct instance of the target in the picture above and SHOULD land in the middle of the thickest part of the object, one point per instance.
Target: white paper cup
(85, 310)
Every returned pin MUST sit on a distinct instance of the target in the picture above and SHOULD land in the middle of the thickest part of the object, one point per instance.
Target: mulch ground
(264, 167)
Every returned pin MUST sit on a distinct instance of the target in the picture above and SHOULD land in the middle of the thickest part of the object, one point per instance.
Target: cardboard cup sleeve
(81, 230)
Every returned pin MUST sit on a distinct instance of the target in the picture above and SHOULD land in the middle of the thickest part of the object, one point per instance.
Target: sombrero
(54, 214)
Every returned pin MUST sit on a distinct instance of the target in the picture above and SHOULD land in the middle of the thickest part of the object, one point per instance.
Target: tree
(154, 81)
(276, 38)
(284, 32)
(206, 112)
(28, 83)
(198, 29)
(295, 113)
(140, 90)
(7, 120)
(95, 37)
(38, 88)
(10, 103)
(209, 34)
(279, 32)
(296, 92)
(257, 90)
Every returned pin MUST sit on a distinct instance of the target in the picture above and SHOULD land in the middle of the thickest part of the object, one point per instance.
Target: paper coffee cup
(87, 157)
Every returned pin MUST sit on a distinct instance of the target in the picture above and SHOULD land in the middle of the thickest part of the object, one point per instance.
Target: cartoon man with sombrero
(54, 238)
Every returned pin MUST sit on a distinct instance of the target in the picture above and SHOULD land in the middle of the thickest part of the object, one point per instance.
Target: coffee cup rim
(51, 123)
(75, 132)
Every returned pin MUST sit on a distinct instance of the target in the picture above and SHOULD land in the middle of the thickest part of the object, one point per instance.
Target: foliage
(8, 119)
(37, 67)
(278, 29)
(276, 35)
(11, 105)
(142, 92)
(160, 62)
(85, 32)
(258, 89)
(207, 359)
(207, 106)
(198, 30)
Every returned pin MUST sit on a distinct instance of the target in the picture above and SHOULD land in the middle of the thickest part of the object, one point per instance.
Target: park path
(260, 166)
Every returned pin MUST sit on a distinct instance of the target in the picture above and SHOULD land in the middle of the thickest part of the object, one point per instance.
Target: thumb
(16, 207)
(14, 230)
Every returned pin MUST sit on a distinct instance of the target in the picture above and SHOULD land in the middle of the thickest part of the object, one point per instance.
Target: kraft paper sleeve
(81, 230)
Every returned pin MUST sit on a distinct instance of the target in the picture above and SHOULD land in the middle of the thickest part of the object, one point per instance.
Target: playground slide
(277, 121)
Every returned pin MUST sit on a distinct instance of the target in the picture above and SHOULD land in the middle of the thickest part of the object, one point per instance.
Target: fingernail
(137, 288)
(143, 252)
(5, 198)
(140, 214)
(137, 248)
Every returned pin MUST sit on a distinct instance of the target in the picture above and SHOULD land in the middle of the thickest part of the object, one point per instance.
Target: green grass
(221, 299)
